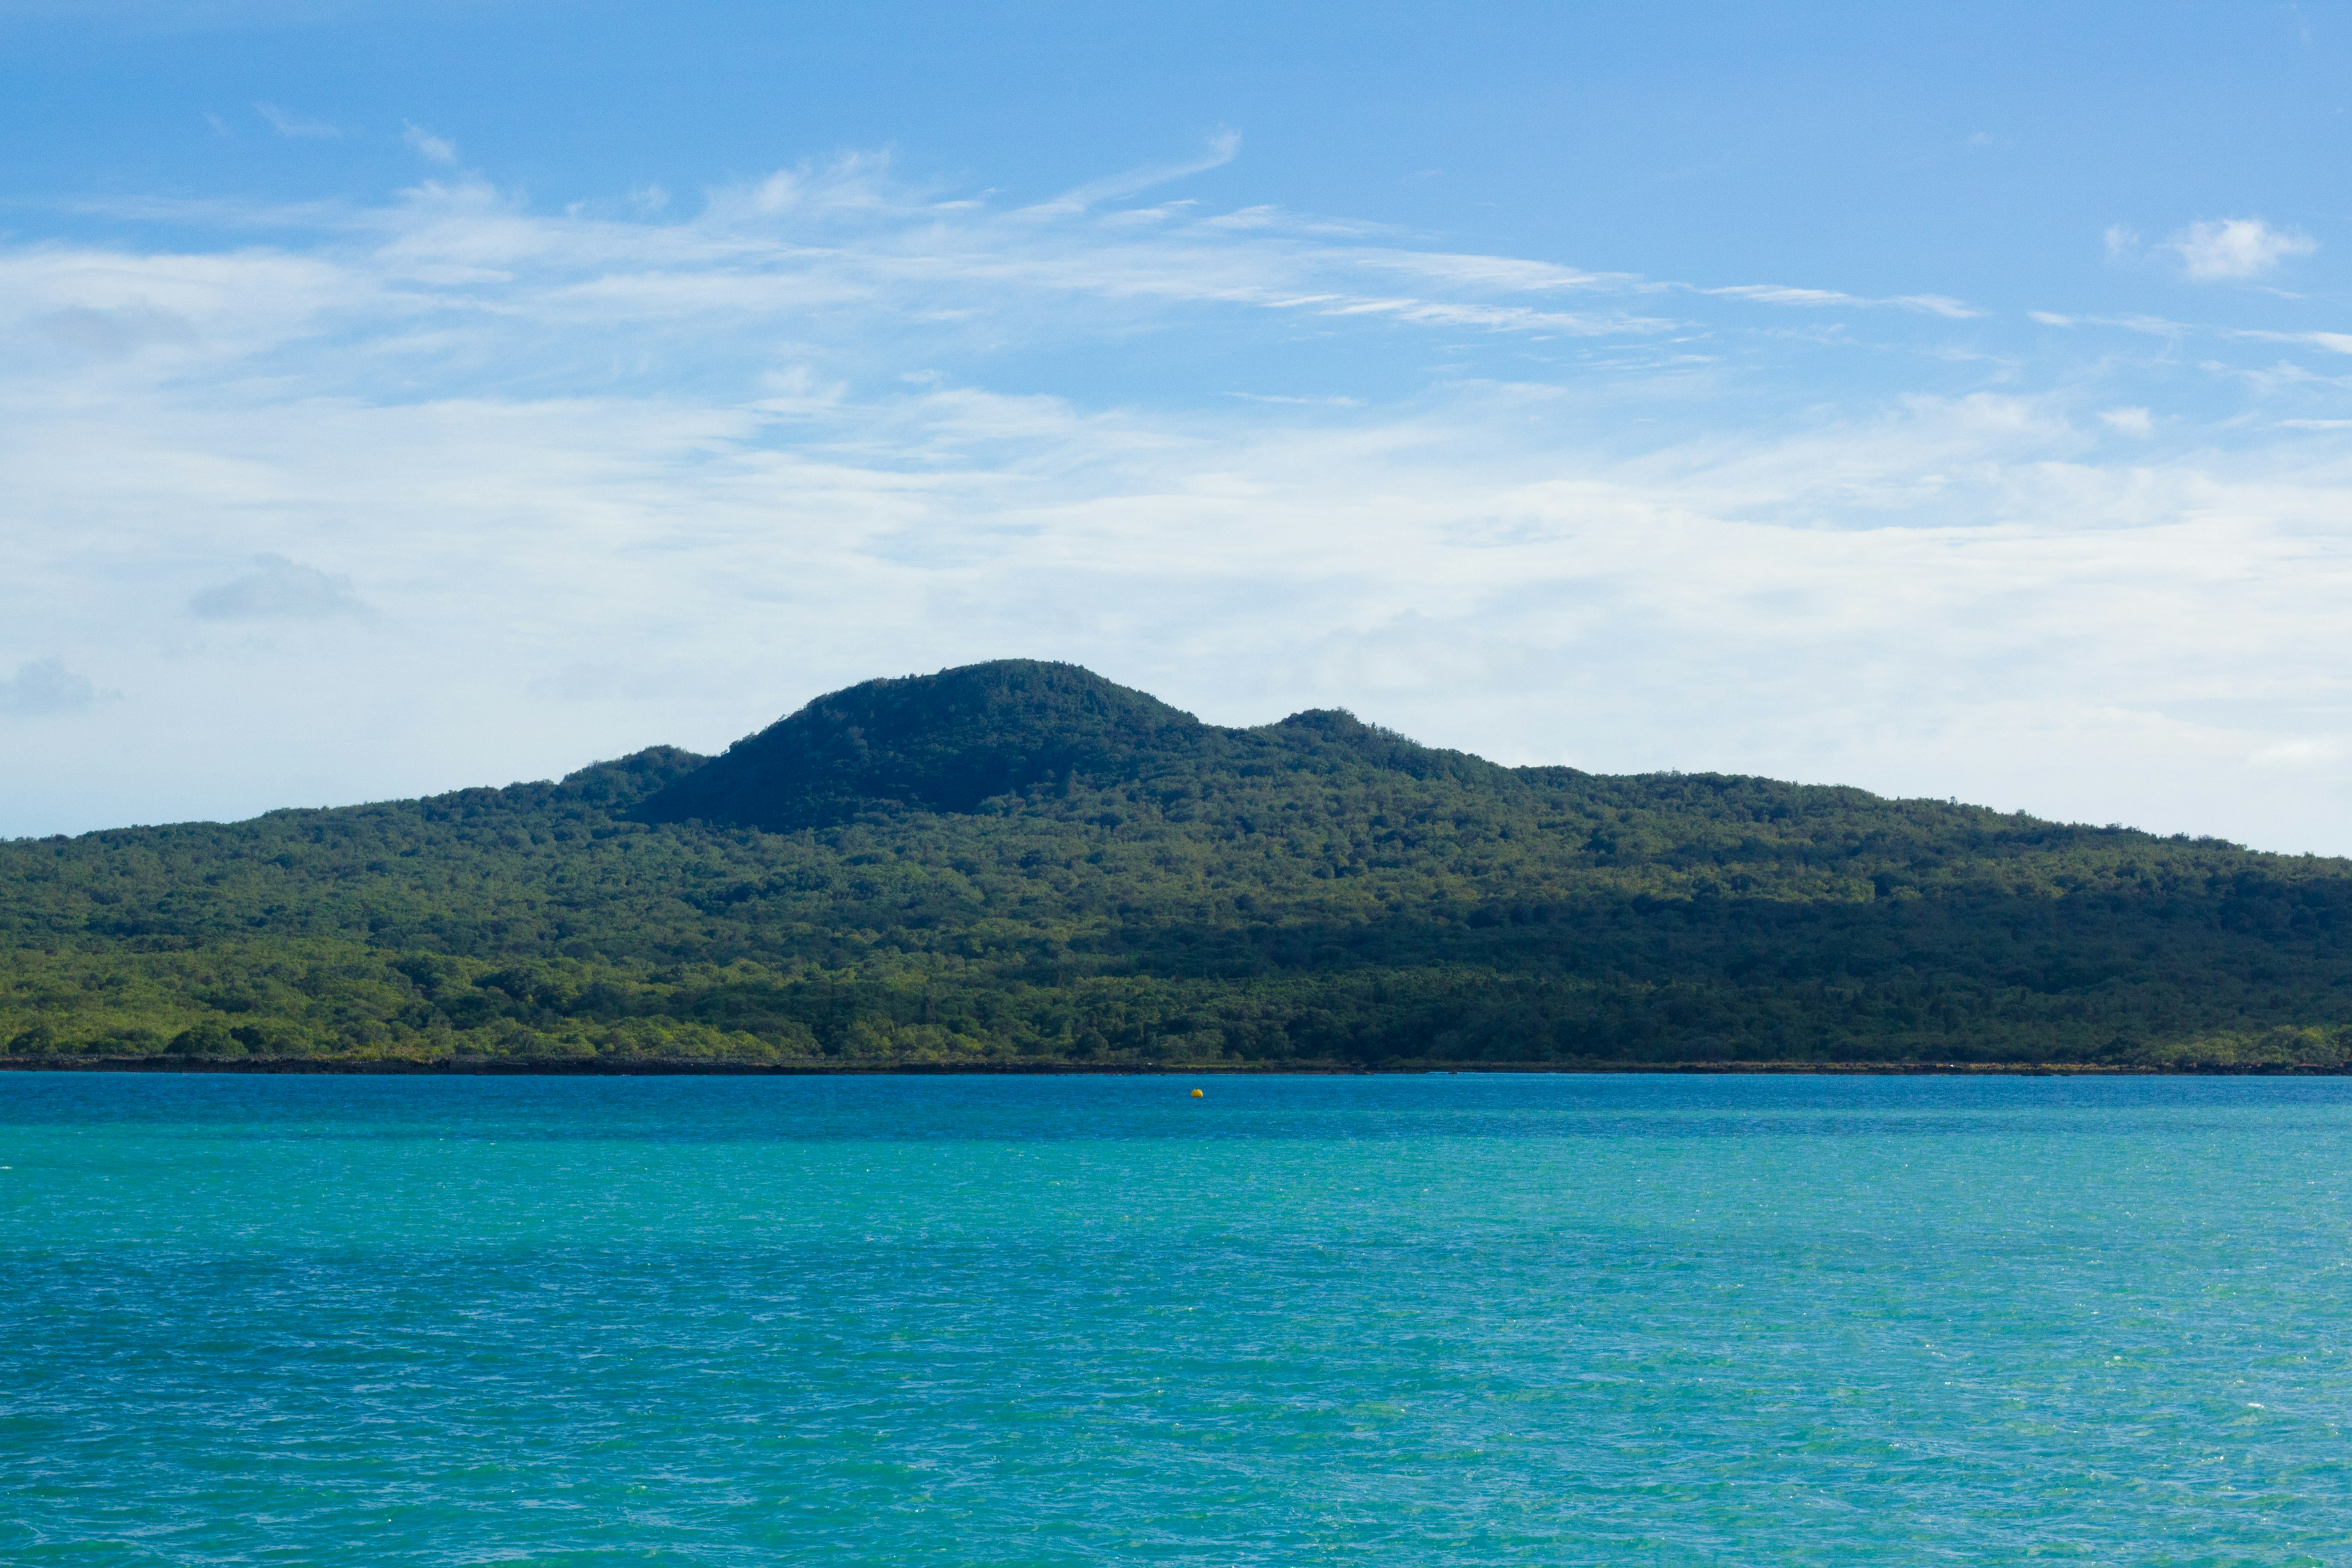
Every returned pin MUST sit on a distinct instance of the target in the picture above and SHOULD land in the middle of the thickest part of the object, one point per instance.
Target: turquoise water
(1411, 1320)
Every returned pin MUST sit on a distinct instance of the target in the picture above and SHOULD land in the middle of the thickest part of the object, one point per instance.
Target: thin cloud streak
(1222, 150)
(1780, 294)
(435, 148)
(297, 127)
(845, 232)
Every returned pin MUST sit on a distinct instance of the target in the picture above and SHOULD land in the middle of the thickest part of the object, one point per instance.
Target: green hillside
(1016, 862)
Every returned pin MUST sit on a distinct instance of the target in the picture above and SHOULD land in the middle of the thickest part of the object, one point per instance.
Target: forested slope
(1020, 861)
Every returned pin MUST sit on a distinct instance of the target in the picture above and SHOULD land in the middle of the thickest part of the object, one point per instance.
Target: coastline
(563, 1067)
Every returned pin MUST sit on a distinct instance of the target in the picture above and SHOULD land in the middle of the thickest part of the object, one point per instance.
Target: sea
(1414, 1319)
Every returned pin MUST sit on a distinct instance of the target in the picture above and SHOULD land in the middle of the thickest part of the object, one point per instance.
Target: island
(1021, 865)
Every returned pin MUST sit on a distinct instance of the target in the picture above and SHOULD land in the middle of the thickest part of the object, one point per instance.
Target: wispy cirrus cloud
(435, 148)
(1780, 294)
(841, 236)
(2177, 331)
(846, 229)
(1221, 150)
(2333, 343)
(297, 127)
(845, 240)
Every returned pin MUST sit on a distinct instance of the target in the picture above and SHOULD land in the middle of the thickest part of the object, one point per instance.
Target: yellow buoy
(1196, 1094)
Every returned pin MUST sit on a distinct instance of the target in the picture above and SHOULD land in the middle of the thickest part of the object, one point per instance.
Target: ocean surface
(1400, 1320)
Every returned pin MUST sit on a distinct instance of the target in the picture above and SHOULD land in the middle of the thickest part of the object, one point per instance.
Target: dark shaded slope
(940, 743)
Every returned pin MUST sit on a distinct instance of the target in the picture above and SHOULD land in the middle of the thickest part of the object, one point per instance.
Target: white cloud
(2301, 751)
(612, 480)
(2129, 421)
(437, 148)
(1937, 600)
(1222, 148)
(1939, 305)
(296, 127)
(1299, 402)
(1783, 294)
(45, 687)
(2232, 249)
(2333, 343)
(279, 589)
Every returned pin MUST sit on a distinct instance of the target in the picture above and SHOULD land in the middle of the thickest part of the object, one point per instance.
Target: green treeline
(1314, 890)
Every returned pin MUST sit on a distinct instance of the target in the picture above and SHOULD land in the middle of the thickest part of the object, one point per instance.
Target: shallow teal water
(1446, 1320)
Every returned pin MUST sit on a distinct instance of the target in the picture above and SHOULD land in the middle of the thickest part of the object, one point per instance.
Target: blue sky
(1949, 401)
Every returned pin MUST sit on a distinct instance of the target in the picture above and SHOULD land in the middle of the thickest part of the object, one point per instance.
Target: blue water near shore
(1409, 1320)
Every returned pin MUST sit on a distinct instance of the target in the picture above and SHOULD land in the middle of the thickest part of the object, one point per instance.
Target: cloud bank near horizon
(351, 502)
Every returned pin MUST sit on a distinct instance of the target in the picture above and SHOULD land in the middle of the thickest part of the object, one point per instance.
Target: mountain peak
(936, 742)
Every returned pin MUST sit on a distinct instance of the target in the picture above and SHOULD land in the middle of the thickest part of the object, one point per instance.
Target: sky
(1947, 400)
